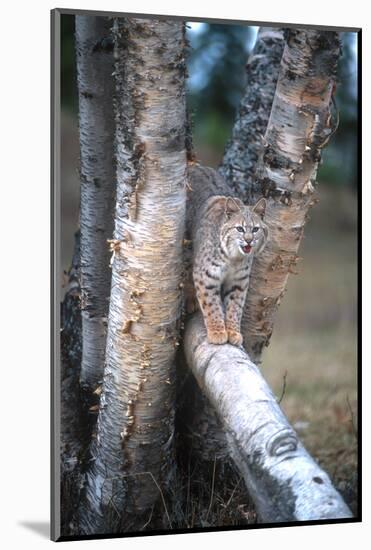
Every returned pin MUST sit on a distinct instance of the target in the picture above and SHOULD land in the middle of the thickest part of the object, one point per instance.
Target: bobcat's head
(243, 231)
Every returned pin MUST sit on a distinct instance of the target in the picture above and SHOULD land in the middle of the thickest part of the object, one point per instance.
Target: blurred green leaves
(216, 80)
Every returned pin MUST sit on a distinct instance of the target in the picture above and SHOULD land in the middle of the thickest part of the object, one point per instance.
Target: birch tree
(85, 306)
(132, 456)
(243, 150)
(73, 431)
(97, 175)
(300, 125)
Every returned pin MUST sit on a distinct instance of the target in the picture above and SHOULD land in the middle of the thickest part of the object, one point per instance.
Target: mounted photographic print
(205, 234)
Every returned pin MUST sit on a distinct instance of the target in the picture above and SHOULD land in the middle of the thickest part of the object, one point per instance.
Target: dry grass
(209, 494)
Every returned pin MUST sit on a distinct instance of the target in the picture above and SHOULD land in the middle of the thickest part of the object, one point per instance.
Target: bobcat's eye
(240, 229)
(255, 229)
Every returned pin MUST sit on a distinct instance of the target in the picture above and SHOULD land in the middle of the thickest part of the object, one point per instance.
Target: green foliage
(218, 55)
(213, 129)
(217, 80)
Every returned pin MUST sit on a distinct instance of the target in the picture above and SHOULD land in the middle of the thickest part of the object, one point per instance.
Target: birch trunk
(281, 477)
(300, 124)
(243, 150)
(133, 453)
(72, 429)
(201, 433)
(97, 173)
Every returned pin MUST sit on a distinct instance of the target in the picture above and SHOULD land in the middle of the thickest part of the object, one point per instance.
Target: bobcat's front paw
(217, 336)
(235, 338)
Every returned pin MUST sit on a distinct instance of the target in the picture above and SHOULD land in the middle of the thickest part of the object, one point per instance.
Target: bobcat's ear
(232, 206)
(260, 207)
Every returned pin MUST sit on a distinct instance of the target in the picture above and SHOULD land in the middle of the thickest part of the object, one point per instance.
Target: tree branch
(94, 56)
(285, 483)
(244, 148)
(299, 126)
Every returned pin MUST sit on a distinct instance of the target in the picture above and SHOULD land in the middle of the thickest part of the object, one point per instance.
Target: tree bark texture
(94, 54)
(281, 477)
(72, 429)
(200, 430)
(300, 124)
(132, 460)
(243, 150)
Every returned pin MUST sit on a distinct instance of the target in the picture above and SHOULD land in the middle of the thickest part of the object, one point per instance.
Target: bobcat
(226, 235)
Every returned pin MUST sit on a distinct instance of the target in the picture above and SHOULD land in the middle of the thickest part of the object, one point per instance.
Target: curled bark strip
(285, 483)
(299, 126)
(136, 417)
(243, 150)
(97, 174)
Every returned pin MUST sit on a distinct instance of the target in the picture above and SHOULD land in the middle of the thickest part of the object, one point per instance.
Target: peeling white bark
(301, 123)
(132, 457)
(285, 483)
(94, 58)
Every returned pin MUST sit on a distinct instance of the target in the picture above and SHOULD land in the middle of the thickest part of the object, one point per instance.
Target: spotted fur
(226, 235)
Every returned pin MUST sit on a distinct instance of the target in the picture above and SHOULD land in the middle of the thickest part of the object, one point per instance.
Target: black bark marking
(105, 45)
(87, 95)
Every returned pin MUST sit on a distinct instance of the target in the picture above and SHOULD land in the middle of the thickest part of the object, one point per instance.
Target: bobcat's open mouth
(246, 249)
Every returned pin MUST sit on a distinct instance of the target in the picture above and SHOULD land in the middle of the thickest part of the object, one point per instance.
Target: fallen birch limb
(284, 481)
